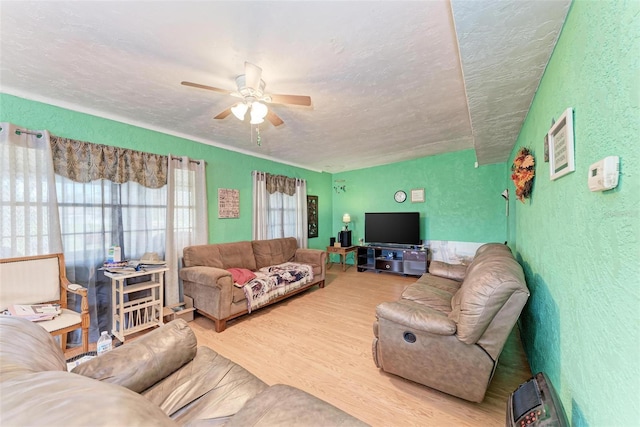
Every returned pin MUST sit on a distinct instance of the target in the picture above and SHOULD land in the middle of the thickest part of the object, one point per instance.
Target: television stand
(392, 259)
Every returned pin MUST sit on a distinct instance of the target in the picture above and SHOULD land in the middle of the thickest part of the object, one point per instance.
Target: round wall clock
(400, 196)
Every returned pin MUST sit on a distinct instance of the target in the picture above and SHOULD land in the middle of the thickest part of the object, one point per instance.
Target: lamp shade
(259, 110)
(346, 218)
(239, 110)
(255, 120)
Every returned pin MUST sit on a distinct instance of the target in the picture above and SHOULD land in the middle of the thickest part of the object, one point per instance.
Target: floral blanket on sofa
(275, 281)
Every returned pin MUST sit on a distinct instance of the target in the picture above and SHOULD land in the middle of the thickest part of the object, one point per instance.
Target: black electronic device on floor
(535, 403)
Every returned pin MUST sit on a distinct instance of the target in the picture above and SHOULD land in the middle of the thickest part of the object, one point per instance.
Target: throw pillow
(241, 275)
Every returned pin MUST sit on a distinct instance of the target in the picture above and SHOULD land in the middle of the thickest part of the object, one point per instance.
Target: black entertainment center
(394, 244)
(399, 260)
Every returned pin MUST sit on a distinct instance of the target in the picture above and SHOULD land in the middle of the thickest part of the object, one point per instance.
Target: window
(279, 207)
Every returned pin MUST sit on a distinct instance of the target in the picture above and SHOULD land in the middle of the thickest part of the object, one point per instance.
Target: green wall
(581, 249)
(225, 169)
(453, 186)
(462, 203)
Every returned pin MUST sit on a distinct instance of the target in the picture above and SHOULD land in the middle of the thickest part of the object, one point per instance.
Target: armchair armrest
(416, 316)
(449, 271)
(81, 291)
(74, 289)
(205, 275)
(146, 360)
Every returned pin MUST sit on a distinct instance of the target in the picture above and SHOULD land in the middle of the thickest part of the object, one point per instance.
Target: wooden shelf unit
(136, 312)
(393, 259)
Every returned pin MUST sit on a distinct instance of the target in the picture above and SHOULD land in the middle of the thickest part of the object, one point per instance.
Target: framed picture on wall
(417, 195)
(312, 216)
(228, 203)
(561, 149)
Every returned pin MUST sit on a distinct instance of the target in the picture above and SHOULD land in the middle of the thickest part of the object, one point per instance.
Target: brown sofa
(159, 379)
(448, 329)
(207, 280)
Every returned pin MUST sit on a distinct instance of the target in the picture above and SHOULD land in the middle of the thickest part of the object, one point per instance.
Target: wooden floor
(320, 341)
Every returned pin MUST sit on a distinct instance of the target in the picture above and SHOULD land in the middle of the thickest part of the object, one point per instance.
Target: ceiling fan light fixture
(259, 109)
(251, 93)
(256, 120)
(240, 110)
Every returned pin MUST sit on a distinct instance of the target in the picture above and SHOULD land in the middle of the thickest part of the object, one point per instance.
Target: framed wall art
(561, 149)
(417, 195)
(228, 203)
(312, 216)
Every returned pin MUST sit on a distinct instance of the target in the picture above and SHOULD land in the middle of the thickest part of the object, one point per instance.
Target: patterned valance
(281, 184)
(84, 162)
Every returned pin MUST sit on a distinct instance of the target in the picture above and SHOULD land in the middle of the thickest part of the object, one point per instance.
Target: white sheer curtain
(302, 227)
(278, 214)
(187, 218)
(96, 215)
(260, 206)
(29, 222)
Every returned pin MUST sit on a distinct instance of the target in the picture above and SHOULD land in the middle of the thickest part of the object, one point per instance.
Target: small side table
(136, 314)
(342, 252)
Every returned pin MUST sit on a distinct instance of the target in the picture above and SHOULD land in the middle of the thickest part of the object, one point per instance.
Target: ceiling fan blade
(252, 74)
(291, 99)
(224, 114)
(273, 118)
(215, 89)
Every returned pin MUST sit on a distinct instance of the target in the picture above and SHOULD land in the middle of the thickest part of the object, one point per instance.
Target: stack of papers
(133, 266)
(147, 264)
(35, 312)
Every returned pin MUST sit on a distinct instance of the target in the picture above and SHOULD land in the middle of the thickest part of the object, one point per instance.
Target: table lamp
(346, 218)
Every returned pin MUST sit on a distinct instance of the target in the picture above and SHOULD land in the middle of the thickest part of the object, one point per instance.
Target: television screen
(401, 228)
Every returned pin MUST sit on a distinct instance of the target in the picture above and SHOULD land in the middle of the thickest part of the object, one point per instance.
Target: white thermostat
(603, 175)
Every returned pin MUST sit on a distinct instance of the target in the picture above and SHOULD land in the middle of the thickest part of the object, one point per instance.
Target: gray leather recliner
(448, 329)
(159, 379)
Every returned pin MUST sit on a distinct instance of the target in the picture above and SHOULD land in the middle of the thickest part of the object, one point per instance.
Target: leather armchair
(448, 329)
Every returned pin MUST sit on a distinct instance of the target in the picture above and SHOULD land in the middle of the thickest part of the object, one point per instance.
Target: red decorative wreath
(523, 173)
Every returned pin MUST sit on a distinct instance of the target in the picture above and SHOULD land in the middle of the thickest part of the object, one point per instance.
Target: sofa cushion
(283, 405)
(274, 251)
(210, 388)
(423, 293)
(145, 362)
(448, 285)
(237, 294)
(450, 271)
(222, 255)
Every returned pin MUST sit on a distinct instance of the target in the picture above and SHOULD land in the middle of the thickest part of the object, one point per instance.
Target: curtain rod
(29, 132)
(190, 160)
(39, 135)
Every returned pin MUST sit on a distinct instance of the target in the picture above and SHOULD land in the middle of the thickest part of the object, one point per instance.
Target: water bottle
(104, 343)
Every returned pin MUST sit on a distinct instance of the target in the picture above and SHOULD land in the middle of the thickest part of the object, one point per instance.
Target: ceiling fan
(251, 92)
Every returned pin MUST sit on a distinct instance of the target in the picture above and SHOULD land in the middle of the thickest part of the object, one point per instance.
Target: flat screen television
(392, 228)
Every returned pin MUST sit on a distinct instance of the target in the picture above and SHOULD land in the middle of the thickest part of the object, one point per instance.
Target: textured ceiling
(389, 81)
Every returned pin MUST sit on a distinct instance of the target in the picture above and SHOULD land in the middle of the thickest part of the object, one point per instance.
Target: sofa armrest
(449, 271)
(205, 275)
(311, 256)
(416, 316)
(146, 360)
